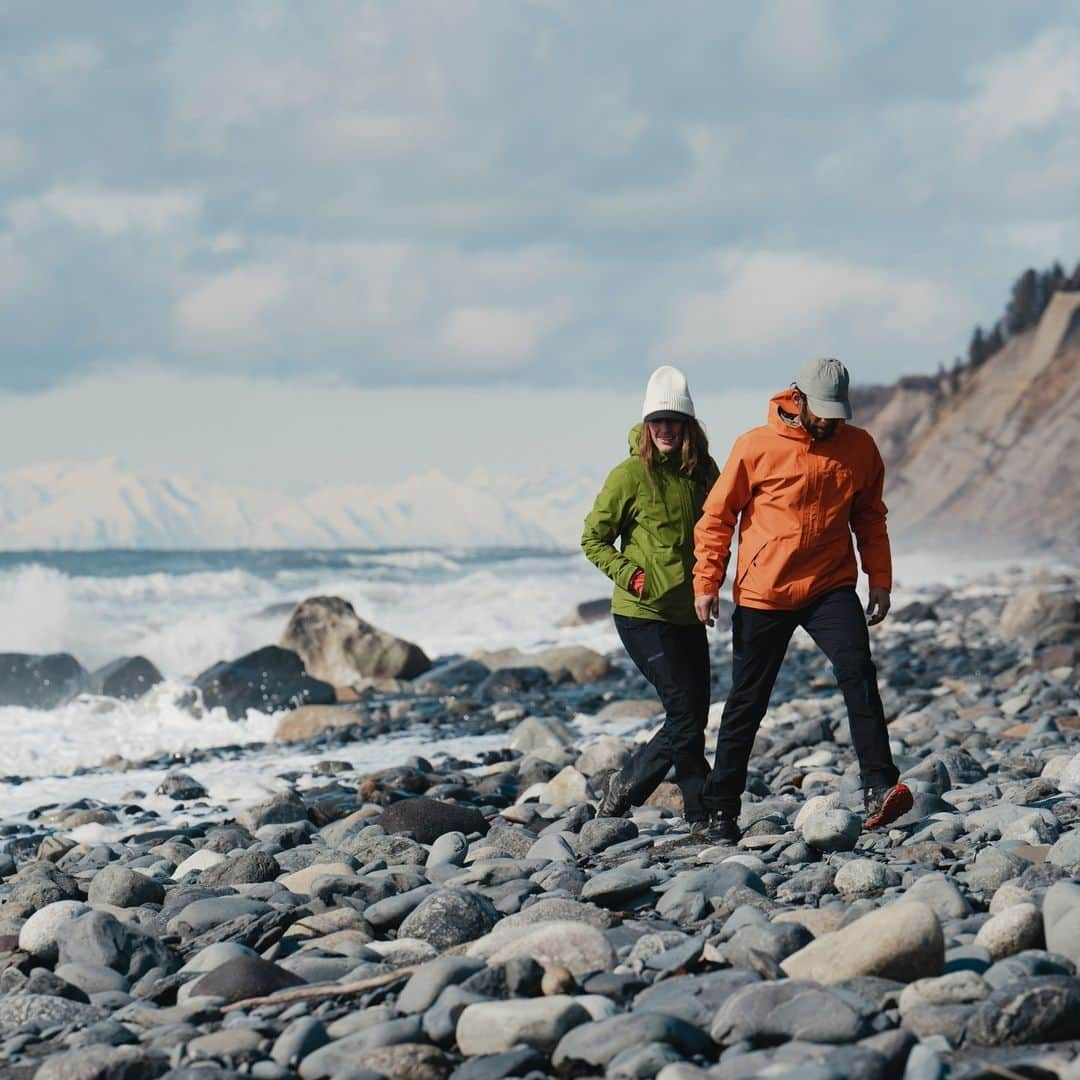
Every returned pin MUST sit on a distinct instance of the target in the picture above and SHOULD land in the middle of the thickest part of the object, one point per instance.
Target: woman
(649, 504)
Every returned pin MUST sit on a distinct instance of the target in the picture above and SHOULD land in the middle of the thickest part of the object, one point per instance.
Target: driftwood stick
(305, 993)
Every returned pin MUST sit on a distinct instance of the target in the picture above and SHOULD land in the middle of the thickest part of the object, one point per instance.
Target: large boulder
(40, 682)
(339, 647)
(588, 611)
(1041, 617)
(581, 664)
(902, 941)
(267, 680)
(127, 678)
(428, 819)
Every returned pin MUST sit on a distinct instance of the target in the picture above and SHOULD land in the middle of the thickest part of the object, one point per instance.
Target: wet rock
(340, 648)
(181, 787)
(902, 942)
(267, 680)
(309, 721)
(40, 682)
(127, 679)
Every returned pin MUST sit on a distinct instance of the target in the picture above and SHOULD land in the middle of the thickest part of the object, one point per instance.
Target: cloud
(1027, 90)
(767, 304)
(65, 61)
(797, 39)
(494, 338)
(231, 310)
(14, 154)
(109, 213)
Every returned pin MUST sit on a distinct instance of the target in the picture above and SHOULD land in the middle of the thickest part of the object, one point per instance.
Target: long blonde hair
(694, 457)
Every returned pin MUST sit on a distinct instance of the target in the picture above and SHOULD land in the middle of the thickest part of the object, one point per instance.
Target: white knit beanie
(667, 396)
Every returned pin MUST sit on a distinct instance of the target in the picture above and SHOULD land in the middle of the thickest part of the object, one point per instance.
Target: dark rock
(792, 1009)
(428, 982)
(244, 977)
(267, 680)
(46, 983)
(519, 977)
(40, 682)
(127, 678)
(450, 917)
(601, 833)
(693, 998)
(597, 1043)
(181, 787)
(457, 677)
(1045, 1009)
(522, 1062)
(122, 887)
(917, 611)
(106, 1063)
(428, 819)
(509, 682)
(98, 938)
(247, 868)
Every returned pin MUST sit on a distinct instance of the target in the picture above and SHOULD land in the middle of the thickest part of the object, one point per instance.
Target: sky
(280, 243)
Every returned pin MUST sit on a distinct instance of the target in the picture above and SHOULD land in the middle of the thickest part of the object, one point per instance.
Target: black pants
(759, 641)
(675, 659)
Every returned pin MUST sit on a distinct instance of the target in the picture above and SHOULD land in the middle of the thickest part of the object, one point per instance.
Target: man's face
(816, 427)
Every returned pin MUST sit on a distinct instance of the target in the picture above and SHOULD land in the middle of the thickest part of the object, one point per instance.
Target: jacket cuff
(881, 581)
(704, 587)
(623, 575)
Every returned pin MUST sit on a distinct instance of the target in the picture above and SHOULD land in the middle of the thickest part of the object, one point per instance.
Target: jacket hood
(634, 439)
(786, 400)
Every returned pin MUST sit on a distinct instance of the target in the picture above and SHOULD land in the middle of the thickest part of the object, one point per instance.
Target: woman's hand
(637, 583)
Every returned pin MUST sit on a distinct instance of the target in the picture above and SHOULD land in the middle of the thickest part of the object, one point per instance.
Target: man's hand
(878, 606)
(707, 608)
(637, 583)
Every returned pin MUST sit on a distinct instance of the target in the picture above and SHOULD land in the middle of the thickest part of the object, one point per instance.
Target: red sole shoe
(897, 803)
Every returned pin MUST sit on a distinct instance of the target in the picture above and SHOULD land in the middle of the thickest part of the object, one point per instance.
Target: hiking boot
(722, 828)
(615, 800)
(885, 804)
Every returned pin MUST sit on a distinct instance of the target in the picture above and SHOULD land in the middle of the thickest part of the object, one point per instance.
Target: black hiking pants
(759, 640)
(675, 659)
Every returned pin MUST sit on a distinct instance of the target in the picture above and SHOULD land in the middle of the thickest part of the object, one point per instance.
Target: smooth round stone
(581, 949)
(122, 887)
(1015, 929)
(202, 915)
(450, 917)
(92, 978)
(554, 847)
(41, 933)
(229, 1042)
(213, 956)
(1061, 917)
(941, 894)
(608, 753)
(832, 830)
(303, 1036)
(612, 888)
(243, 977)
(498, 1026)
(604, 832)
(425, 985)
(1008, 896)
(450, 848)
(201, 860)
(864, 877)
(958, 988)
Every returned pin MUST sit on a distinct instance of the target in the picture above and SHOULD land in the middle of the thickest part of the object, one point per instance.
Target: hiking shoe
(615, 800)
(885, 804)
(722, 829)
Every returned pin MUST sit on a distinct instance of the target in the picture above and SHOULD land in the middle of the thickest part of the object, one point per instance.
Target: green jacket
(654, 524)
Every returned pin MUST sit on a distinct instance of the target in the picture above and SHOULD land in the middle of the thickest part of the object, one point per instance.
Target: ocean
(185, 610)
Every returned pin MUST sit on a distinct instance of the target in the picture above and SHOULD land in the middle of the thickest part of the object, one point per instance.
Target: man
(799, 486)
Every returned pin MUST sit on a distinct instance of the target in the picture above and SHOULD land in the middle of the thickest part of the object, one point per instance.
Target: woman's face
(667, 435)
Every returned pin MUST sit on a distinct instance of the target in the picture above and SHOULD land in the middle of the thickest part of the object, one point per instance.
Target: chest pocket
(836, 494)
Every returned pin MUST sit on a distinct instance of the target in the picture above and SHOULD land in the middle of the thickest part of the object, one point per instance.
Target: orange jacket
(798, 500)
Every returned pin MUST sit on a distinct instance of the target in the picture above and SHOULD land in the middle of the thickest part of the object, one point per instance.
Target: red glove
(637, 583)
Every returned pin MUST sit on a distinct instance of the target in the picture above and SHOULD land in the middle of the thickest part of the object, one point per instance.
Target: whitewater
(186, 610)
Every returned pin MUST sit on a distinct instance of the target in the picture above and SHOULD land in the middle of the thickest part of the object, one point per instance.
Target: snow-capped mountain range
(99, 504)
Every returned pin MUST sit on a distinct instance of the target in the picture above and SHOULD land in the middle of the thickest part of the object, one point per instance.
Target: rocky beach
(461, 911)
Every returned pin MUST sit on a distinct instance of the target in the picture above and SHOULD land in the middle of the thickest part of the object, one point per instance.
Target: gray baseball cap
(824, 383)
